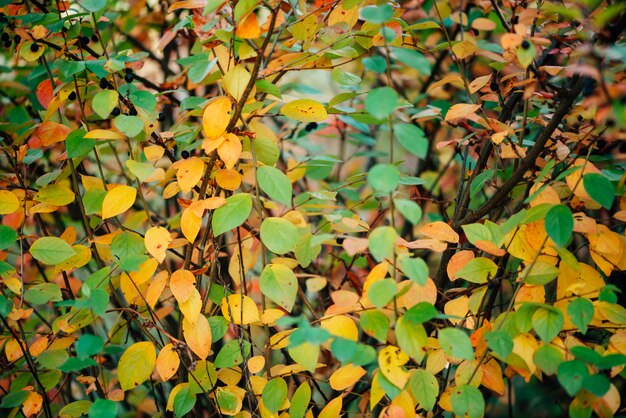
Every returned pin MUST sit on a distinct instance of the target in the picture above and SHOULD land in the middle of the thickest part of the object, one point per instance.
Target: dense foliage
(290, 208)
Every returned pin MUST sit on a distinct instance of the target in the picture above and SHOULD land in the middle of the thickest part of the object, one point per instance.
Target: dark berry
(129, 77)
(526, 131)
(580, 118)
(83, 40)
(3, 18)
(128, 70)
(493, 86)
(17, 39)
(161, 117)
(310, 126)
(4, 37)
(34, 47)
(103, 83)
(72, 96)
(610, 123)
(132, 112)
(94, 38)
(116, 111)
(7, 44)
(525, 44)
(184, 155)
(339, 240)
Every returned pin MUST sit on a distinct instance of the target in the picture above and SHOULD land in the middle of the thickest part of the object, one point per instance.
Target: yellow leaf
(377, 391)
(454, 79)
(341, 326)
(461, 110)
(153, 152)
(118, 200)
(239, 309)
(236, 80)
(228, 179)
(256, 364)
(187, 4)
(189, 173)
(157, 239)
(167, 362)
(441, 231)
(479, 83)
(82, 257)
(32, 405)
(190, 224)
(136, 365)
(346, 376)
(9, 202)
(103, 134)
(198, 336)
(333, 409)
(464, 49)
(390, 360)
(182, 284)
(192, 307)
(230, 150)
(216, 117)
(157, 285)
(304, 110)
(55, 194)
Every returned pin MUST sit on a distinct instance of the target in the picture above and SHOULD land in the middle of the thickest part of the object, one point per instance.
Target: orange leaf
(441, 231)
(157, 239)
(457, 262)
(198, 336)
(190, 224)
(167, 362)
(182, 285)
(461, 110)
(189, 173)
(230, 150)
(216, 117)
(32, 404)
(51, 132)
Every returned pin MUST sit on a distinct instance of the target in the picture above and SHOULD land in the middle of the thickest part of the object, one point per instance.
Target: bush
(312, 208)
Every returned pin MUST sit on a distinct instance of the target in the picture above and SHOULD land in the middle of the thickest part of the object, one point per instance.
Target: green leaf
(600, 189)
(377, 14)
(500, 343)
(411, 337)
(307, 250)
(381, 102)
(424, 387)
(232, 214)
(548, 358)
(75, 409)
(548, 323)
(104, 102)
(103, 408)
(279, 235)
(51, 250)
(77, 146)
(598, 384)
(413, 59)
(375, 324)
(468, 400)
(347, 351)
(540, 273)
(411, 211)
(581, 312)
(203, 378)
(415, 269)
(299, 402)
(184, 402)
(478, 270)
(231, 354)
(381, 292)
(420, 313)
(43, 293)
(131, 126)
(344, 78)
(305, 354)
(8, 237)
(382, 243)
(479, 182)
(455, 343)
(412, 138)
(559, 224)
(144, 100)
(274, 394)
(384, 178)
(275, 184)
(88, 345)
(140, 170)
(14, 398)
(129, 248)
(279, 283)
(94, 5)
(571, 375)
